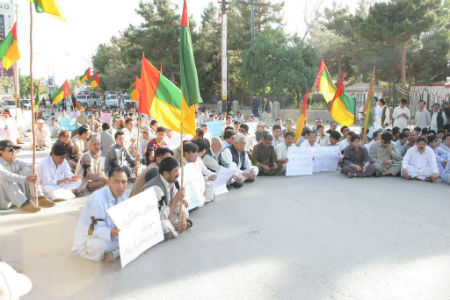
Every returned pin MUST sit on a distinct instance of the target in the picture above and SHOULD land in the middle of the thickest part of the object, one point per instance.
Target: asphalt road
(313, 237)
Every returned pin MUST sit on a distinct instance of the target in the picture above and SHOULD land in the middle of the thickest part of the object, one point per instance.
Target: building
(359, 91)
(438, 92)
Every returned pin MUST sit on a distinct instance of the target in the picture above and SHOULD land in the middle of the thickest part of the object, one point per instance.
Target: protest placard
(215, 128)
(300, 161)
(139, 223)
(194, 185)
(220, 184)
(325, 159)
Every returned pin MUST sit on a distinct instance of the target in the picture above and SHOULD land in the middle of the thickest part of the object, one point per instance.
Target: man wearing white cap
(42, 135)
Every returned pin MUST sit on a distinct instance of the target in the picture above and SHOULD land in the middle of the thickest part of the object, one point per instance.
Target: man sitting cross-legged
(282, 150)
(169, 196)
(16, 181)
(96, 236)
(385, 156)
(265, 158)
(56, 178)
(89, 167)
(420, 162)
(442, 156)
(151, 171)
(356, 160)
(118, 156)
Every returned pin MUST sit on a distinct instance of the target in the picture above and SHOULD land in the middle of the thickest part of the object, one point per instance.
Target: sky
(64, 49)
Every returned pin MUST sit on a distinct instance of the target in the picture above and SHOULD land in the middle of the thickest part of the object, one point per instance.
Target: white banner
(220, 184)
(194, 185)
(326, 159)
(139, 223)
(305, 161)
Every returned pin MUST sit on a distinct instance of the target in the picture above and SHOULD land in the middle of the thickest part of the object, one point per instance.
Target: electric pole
(224, 57)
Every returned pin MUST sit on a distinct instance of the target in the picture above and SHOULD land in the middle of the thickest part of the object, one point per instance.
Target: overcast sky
(64, 49)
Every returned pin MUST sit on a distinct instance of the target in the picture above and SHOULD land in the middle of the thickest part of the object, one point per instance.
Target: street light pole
(224, 57)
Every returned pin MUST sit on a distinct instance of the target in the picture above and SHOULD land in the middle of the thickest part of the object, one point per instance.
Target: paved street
(313, 237)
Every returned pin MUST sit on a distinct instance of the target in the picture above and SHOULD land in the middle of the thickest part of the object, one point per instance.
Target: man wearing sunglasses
(16, 181)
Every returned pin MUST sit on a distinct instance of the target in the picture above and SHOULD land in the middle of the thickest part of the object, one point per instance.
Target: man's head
(335, 136)
(279, 122)
(446, 139)
(243, 129)
(403, 138)
(64, 136)
(162, 153)
(83, 131)
(421, 104)
(289, 138)
(421, 143)
(202, 146)
(403, 102)
(190, 151)
(345, 130)
(105, 126)
(160, 133)
(376, 135)
(239, 142)
(8, 150)
(228, 136)
(386, 139)
(440, 133)
(168, 168)
(312, 138)
(146, 133)
(40, 124)
(211, 117)
(289, 124)
(216, 145)
(412, 137)
(433, 141)
(424, 131)
(382, 102)
(129, 124)
(333, 126)
(306, 132)
(204, 127)
(94, 146)
(54, 121)
(154, 125)
(436, 107)
(267, 140)
(320, 129)
(355, 141)
(118, 181)
(120, 138)
(199, 134)
(58, 153)
(261, 127)
(276, 131)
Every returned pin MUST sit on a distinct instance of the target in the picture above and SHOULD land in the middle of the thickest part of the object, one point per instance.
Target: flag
(188, 71)
(9, 48)
(368, 114)
(342, 106)
(86, 76)
(37, 102)
(161, 99)
(137, 89)
(324, 83)
(48, 6)
(302, 118)
(80, 107)
(132, 92)
(58, 95)
(95, 82)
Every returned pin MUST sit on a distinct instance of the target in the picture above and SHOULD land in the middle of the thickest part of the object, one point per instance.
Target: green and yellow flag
(368, 107)
(9, 48)
(48, 6)
(188, 71)
(324, 83)
(94, 82)
(86, 76)
(301, 121)
(342, 107)
(58, 95)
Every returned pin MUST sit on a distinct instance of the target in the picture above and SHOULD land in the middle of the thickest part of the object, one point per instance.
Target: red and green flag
(188, 71)
(9, 48)
(324, 83)
(342, 107)
(48, 6)
(302, 118)
(94, 82)
(163, 100)
(86, 76)
(58, 95)
(80, 107)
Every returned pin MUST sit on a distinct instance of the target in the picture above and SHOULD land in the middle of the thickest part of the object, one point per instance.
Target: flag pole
(309, 108)
(368, 106)
(180, 213)
(16, 89)
(33, 120)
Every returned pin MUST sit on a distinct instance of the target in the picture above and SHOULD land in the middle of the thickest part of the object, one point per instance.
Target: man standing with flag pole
(368, 107)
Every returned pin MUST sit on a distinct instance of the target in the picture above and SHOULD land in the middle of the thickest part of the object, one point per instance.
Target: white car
(112, 100)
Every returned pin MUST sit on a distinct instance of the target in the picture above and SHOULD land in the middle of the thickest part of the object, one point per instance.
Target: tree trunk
(403, 64)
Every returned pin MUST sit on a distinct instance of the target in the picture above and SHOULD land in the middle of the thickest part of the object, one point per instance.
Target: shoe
(78, 193)
(29, 208)
(377, 173)
(429, 179)
(237, 185)
(58, 200)
(44, 202)
(350, 175)
(112, 255)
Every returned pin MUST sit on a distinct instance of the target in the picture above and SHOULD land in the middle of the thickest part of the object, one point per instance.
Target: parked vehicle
(25, 103)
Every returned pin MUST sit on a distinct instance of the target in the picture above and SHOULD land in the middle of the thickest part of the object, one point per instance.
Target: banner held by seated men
(139, 223)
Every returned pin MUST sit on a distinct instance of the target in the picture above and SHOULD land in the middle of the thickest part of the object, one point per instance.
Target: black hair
(160, 152)
(167, 165)
(118, 132)
(343, 128)
(446, 136)
(354, 137)
(228, 134)
(306, 131)
(403, 135)
(289, 133)
(335, 135)
(424, 130)
(105, 126)
(267, 137)
(383, 101)
(153, 122)
(245, 127)
(59, 150)
(432, 132)
(229, 128)
(199, 132)
(63, 132)
(190, 148)
(404, 101)
(440, 131)
(116, 169)
(395, 130)
(387, 137)
(276, 126)
(160, 129)
(422, 139)
(417, 128)
(83, 129)
(319, 126)
(375, 134)
(129, 120)
(431, 139)
(423, 101)
(201, 145)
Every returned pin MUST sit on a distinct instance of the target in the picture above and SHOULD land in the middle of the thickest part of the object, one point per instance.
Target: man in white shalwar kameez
(420, 162)
(56, 178)
(96, 236)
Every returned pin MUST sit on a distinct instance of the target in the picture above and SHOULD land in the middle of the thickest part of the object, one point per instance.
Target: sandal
(189, 224)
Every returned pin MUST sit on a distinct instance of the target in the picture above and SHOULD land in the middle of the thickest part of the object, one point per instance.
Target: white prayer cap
(40, 121)
(261, 124)
(13, 285)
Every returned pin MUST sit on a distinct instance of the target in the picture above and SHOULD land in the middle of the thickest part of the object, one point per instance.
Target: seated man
(305, 135)
(251, 140)
(211, 159)
(356, 160)
(442, 156)
(276, 133)
(385, 156)
(42, 135)
(56, 179)
(237, 159)
(322, 138)
(89, 168)
(106, 138)
(73, 155)
(265, 158)
(17, 181)
(79, 141)
(96, 236)
(332, 140)
(118, 156)
(169, 196)
(310, 141)
(412, 137)
(151, 171)
(228, 137)
(402, 140)
(445, 145)
(55, 129)
(282, 150)
(420, 162)
(154, 144)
